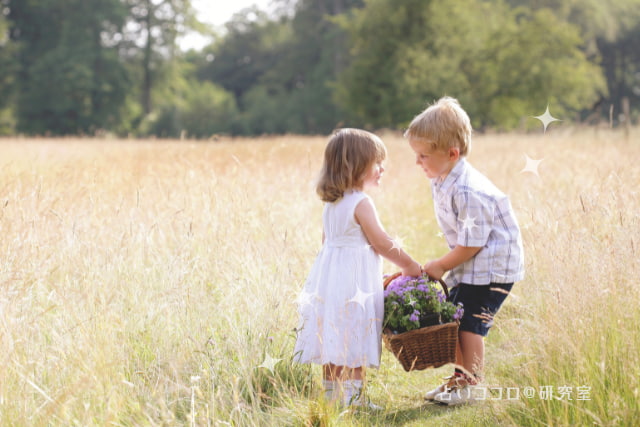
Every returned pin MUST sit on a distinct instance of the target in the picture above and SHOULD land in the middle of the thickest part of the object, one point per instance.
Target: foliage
(502, 68)
(79, 67)
(68, 82)
(534, 60)
(610, 30)
(282, 72)
(415, 302)
(203, 111)
(155, 26)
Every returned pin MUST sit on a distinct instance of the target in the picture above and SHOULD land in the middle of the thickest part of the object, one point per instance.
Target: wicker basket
(428, 347)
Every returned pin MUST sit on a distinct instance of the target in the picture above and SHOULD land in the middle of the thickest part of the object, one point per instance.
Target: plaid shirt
(471, 211)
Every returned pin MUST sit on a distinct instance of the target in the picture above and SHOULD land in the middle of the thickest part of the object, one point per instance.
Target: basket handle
(389, 278)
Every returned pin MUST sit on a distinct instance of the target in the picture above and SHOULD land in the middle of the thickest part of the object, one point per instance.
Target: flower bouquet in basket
(420, 323)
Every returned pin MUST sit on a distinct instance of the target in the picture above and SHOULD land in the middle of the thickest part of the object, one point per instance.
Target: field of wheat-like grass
(154, 282)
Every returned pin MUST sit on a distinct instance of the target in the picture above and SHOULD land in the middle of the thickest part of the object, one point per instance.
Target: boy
(477, 220)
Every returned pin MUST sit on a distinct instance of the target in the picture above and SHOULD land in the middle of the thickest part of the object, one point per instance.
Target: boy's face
(435, 163)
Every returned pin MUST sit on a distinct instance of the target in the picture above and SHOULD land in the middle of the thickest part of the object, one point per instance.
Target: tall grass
(154, 283)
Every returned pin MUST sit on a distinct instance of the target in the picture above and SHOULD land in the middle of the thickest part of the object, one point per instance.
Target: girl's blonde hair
(443, 125)
(348, 156)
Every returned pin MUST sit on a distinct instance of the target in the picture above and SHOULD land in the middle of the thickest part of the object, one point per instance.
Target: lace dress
(341, 305)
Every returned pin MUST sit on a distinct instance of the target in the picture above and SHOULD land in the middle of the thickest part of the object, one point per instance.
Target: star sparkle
(396, 244)
(269, 363)
(546, 118)
(360, 297)
(305, 298)
(532, 166)
(469, 223)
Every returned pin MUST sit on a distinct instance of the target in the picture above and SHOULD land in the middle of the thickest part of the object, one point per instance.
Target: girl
(341, 306)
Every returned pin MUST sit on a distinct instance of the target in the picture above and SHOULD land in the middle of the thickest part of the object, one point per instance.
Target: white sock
(329, 389)
(352, 392)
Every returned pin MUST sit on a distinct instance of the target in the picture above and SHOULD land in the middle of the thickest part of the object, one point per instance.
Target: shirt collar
(452, 176)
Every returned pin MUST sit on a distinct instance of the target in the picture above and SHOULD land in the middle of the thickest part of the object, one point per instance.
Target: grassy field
(154, 283)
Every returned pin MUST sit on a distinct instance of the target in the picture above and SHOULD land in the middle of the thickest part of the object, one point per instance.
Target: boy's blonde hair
(348, 156)
(442, 125)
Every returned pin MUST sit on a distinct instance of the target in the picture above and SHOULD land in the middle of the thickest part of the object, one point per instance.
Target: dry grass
(144, 283)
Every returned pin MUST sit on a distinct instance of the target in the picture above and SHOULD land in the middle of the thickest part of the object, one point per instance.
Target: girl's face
(434, 163)
(373, 175)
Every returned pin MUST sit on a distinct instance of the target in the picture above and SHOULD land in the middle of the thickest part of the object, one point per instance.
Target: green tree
(381, 35)
(203, 111)
(69, 76)
(152, 33)
(611, 31)
(503, 68)
(7, 77)
(313, 59)
(282, 71)
(532, 60)
(251, 46)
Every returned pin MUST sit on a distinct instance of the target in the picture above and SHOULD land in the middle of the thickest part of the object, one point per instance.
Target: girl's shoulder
(348, 202)
(355, 196)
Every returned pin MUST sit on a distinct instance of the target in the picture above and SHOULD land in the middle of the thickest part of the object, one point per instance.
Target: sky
(217, 12)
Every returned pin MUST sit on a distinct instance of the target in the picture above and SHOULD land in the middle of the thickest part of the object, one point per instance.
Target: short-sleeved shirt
(473, 212)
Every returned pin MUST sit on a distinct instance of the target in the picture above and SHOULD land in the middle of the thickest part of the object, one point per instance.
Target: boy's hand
(434, 270)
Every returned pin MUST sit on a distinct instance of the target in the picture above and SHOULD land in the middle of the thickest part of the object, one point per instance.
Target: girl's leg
(352, 384)
(342, 382)
(330, 375)
(331, 372)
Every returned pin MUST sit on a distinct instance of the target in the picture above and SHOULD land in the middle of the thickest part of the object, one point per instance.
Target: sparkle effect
(469, 223)
(547, 118)
(532, 166)
(360, 297)
(269, 363)
(396, 244)
(305, 298)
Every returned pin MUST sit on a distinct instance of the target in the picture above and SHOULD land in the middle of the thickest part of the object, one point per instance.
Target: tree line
(85, 67)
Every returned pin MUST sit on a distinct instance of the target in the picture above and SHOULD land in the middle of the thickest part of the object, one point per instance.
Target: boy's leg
(472, 353)
(481, 303)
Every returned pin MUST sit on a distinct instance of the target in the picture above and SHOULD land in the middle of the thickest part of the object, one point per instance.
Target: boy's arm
(458, 255)
(381, 242)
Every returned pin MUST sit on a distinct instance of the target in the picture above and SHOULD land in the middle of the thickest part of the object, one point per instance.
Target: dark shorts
(481, 303)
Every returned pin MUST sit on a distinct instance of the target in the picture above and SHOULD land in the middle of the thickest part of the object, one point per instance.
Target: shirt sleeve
(475, 213)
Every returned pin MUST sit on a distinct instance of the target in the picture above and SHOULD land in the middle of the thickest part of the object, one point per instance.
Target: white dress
(341, 305)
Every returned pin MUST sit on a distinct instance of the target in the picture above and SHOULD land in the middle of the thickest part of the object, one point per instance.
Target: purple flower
(407, 299)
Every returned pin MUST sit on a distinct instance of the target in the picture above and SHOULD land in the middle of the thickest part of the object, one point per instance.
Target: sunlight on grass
(145, 283)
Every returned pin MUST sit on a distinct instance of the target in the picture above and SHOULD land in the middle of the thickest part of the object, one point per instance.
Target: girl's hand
(434, 270)
(414, 270)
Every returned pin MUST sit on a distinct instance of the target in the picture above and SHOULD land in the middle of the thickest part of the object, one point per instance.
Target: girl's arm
(381, 242)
